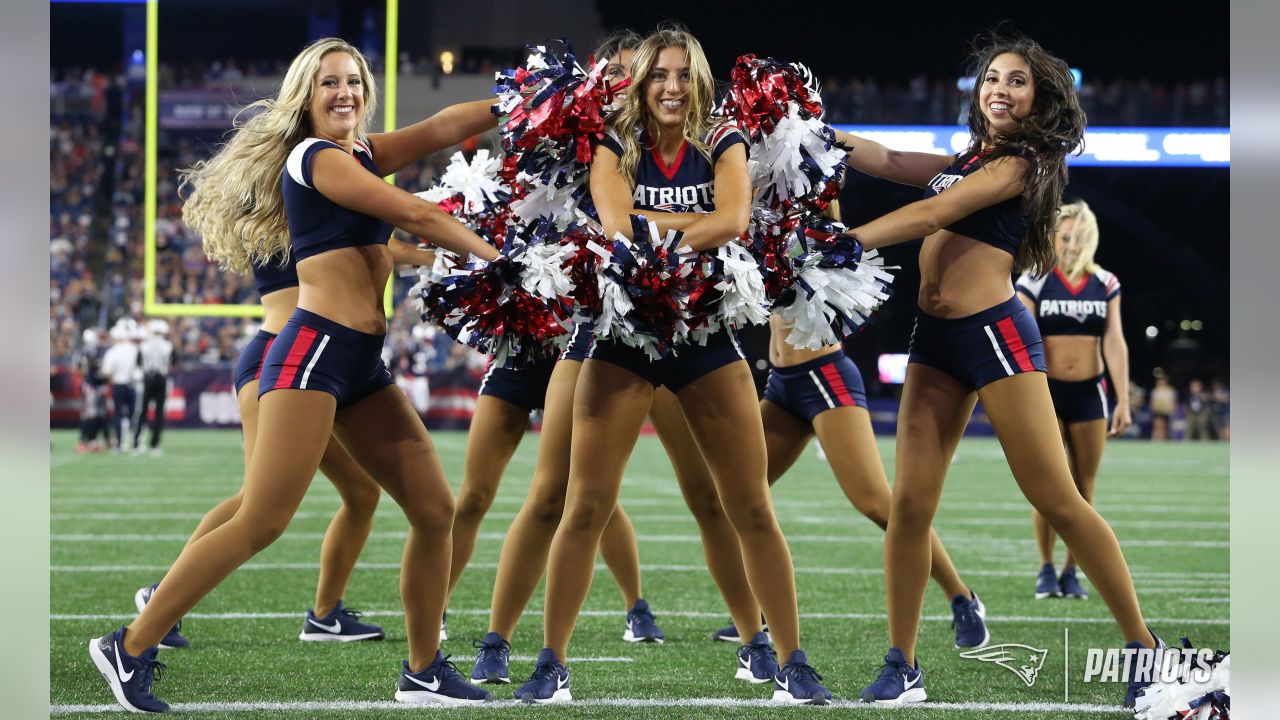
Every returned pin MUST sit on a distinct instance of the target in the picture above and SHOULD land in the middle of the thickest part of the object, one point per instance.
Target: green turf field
(118, 521)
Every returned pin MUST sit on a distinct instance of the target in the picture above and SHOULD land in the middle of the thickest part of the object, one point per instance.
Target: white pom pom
(1166, 700)
(435, 194)
(834, 297)
(477, 180)
(743, 301)
(543, 275)
(776, 161)
(547, 200)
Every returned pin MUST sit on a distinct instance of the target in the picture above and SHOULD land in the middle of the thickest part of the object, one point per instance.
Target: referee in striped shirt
(155, 357)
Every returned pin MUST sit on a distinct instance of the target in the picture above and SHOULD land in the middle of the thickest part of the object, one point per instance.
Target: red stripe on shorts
(263, 360)
(837, 384)
(297, 352)
(1016, 346)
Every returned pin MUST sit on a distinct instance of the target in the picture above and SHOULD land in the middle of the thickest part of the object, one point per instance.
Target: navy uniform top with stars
(688, 184)
(1066, 309)
(1002, 225)
(316, 223)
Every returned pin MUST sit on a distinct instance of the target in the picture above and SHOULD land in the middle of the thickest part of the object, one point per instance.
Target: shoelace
(546, 669)
(891, 670)
(500, 648)
(447, 665)
(152, 670)
(967, 615)
(804, 672)
(646, 615)
(353, 614)
(765, 648)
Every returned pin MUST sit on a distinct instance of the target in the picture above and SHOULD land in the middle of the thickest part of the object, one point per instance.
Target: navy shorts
(315, 353)
(813, 387)
(675, 371)
(1076, 401)
(249, 365)
(996, 343)
(526, 387)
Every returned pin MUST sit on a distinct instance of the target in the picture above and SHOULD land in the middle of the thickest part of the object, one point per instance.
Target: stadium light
(1152, 331)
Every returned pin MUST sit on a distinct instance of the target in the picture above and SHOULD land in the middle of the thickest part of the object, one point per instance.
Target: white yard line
(339, 706)
(839, 519)
(1147, 583)
(953, 541)
(720, 614)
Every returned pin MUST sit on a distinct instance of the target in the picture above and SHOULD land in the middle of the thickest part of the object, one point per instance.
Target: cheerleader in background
(1077, 307)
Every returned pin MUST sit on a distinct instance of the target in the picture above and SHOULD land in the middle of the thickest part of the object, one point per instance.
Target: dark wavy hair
(616, 42)
(1053, 129)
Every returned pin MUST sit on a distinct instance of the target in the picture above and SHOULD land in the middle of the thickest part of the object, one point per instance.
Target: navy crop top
(688, 185)
(1066, 309)
(1002, 225)
(316, 223)
(272, 276)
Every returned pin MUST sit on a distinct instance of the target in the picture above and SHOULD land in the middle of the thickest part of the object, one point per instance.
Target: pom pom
(729, 293)
(837, 287)
(644, 290)
(475, 193)
(794, 155)
(1187, 699)
(509, 307)
(551, 116)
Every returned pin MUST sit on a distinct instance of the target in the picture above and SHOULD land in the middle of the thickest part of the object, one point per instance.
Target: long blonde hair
(634, 115)
(1085, 233)
(235, 201)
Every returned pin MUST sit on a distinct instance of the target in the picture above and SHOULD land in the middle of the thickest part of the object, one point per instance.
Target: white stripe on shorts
(487, 374)
(734, 337)
(818, 383)
(1102, 395)
(996, 346)
(307, 373)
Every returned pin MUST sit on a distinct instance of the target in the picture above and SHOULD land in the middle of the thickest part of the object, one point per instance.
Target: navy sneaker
(641, 626)
(491, 660)
(129, 677)
(898, 684)
(731, 634)
(549, 683)
(797, 683)
(340, 625)
(968, 617)
(173, 639)
(1070, 585)
(1138, 684)
(1047, 583)
(757, 662)
(439, 683)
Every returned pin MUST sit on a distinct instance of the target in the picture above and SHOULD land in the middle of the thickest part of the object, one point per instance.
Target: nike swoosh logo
(124, 678)
(433, 686)
(746, 662)
(562, 681)
(785, 684)
(335, 628)
(908, 684)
